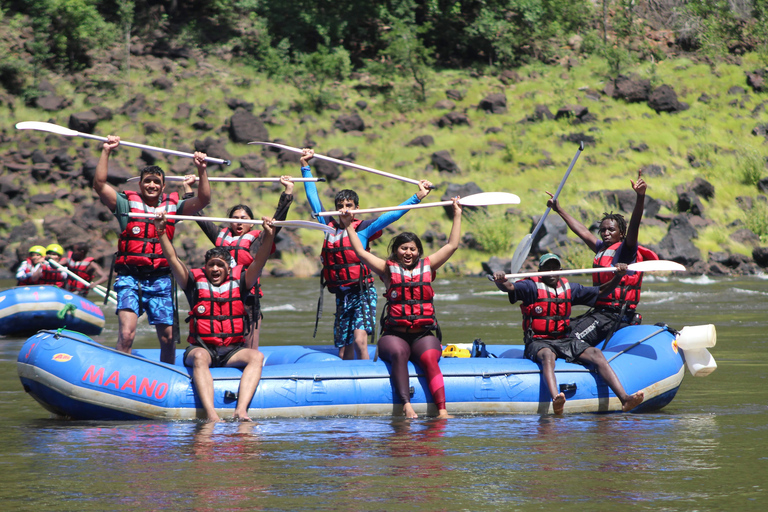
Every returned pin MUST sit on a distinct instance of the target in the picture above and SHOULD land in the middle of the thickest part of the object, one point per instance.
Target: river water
(706, 451)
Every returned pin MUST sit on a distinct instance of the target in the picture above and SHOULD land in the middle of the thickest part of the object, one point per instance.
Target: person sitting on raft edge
(546, 307)
(218, 317)
(410, 331)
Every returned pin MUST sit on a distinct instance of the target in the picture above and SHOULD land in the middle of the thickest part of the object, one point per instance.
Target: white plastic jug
(697, 336)
(699, 362)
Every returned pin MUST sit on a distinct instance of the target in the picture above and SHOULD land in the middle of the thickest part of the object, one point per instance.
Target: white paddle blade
(656, 266)
(306, 224)
(46, 127)
(489, 199)
(521, 253)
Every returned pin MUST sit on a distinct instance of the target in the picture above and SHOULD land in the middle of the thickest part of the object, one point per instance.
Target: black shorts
(568, 348)
(595, 326)
(219, 355)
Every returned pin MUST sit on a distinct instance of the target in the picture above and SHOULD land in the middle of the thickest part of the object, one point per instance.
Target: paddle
(60, 130)
(341, 162)
(641, 266)
(235, 180)
(307, 224)
(98, 289)
(524, 247)
(481, 199)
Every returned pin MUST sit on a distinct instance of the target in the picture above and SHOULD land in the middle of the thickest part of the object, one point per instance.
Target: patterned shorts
(152, 296)
(355, 310)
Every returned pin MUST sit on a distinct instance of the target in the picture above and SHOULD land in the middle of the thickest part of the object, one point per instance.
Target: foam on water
(282, 307)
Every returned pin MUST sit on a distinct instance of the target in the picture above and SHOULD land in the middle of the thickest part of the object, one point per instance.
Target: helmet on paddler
(37, 249)
(55, 248)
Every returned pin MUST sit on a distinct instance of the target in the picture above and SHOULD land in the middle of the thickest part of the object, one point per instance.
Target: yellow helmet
(56, 248)
(39, 249)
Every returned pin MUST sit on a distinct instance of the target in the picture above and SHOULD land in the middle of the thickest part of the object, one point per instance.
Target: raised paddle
(481, 199)
(236, 180)
(524, 247)
(60, 130)
(341, 162)
(640, 266)
(307, 224)
(97, 289)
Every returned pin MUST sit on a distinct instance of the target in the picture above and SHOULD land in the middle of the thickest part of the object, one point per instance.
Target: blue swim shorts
(355, 310)
(154, 298)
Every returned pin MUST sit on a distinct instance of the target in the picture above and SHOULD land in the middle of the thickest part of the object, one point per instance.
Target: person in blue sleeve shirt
(343, 273)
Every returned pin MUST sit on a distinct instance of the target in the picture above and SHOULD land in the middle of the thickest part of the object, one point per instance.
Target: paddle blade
(46, 127)
(489, 198)
(656, 266)
(521, 253)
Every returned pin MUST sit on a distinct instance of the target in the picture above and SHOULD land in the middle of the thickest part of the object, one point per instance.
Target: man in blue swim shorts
(143, 281)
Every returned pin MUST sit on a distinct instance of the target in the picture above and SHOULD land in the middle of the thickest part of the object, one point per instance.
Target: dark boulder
(664, 99)
(745, 236)
(453, 119)
(246, 127)
(83, 121)
(496, 264)
(349, 123)
(494, 103)
(443, 161)
(422, 140)
(677, 245)
(552, 235)
(631, 90)
(760, 255)
(253, 165)
(756, 80)
(542, 112)
(52, 103)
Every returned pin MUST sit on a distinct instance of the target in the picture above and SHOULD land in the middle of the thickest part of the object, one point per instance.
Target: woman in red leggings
(410, 327)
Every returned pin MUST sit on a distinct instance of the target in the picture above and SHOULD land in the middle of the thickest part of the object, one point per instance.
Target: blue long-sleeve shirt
(367, 228)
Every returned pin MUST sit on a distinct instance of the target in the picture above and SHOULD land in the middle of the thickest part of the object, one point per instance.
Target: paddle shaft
(559, 189)
(389, 208)
(342, 162)
(237, 180)
(641, 266)
(97, 289)
(276, 223)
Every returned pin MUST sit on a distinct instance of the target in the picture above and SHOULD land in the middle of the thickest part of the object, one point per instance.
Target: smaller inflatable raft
(27, 309)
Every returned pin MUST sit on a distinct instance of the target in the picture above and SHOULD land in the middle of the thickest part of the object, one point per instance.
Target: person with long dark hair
(410, 331)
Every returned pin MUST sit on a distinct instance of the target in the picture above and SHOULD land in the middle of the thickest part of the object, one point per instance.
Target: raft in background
(75, 377)
(28, 309)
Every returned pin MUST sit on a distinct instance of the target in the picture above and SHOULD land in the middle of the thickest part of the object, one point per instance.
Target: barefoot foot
(558, 403)
(633, 401)
(409, 412)
(241, 416)
(443, 415)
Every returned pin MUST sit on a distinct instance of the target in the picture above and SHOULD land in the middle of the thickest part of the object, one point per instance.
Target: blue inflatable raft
(75, 377)
(27, 309)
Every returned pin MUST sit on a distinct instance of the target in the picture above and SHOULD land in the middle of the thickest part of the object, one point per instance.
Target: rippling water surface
(704, 451)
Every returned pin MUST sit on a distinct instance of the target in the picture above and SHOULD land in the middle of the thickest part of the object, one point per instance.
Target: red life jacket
(409, 296)
(218, 315)
(341, 266)
(52, 276)
(628, 289)
(240, 249)
(80, 268)
(549, 316)
(138, 249)
(27, 279)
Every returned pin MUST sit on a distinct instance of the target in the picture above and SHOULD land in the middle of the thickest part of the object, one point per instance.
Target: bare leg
(342, 351)
(596, 358)
(547, 360)
(348, 352)
(396, 352)
(361, 344)
(253, 360)
(167, 346)
(200, 361)
(126, 331)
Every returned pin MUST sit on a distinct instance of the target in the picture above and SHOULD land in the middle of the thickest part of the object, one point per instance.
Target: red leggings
(397, 349)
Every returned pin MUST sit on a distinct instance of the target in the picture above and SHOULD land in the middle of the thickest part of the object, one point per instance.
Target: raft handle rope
(664, 327)
(58, 335)
(67, 310)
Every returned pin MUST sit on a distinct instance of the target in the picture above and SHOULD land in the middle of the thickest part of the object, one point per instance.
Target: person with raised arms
(410, 331)
(546, 306)
(343, 272)
(27, 273)
(85, 267)
(218, 318)
(617, 244)
(143, 281)
(242, 242)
